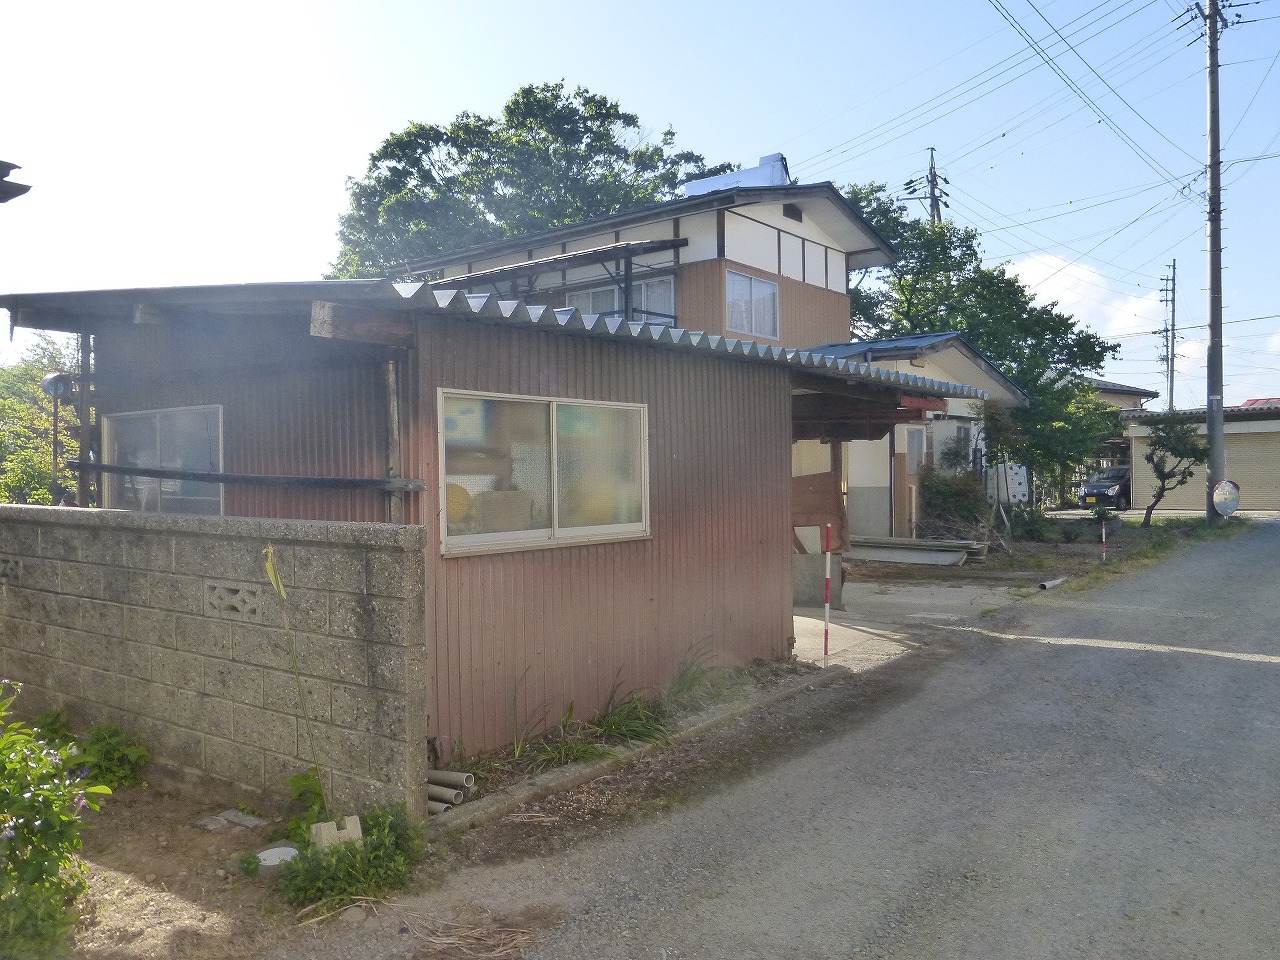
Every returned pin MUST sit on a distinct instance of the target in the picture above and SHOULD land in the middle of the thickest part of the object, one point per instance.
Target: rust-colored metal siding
(700, 296)
(811, 316)
(292, 405)
(808, 316)
(518, 637)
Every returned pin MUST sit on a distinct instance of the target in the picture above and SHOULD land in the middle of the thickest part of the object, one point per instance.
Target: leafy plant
(41, 798)
(249, 864)
(383, 861)
(114, 758)
(52, 728)
(306, 795)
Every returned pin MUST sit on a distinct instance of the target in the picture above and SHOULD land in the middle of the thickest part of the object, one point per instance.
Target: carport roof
(373, 302)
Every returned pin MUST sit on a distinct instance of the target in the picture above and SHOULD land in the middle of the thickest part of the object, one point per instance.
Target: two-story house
(745, 255)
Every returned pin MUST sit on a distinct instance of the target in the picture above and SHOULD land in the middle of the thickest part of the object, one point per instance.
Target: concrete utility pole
(935, 194)
(1217, 468)
(1170, 292)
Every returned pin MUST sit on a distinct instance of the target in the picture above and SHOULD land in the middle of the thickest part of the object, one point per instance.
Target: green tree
(26, 425)
(1174, 450)
(939, 284)
(552, 158)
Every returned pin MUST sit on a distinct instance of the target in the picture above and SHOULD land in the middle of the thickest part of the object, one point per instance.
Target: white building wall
(751, 243)
(700, 229)
(837, 273)
(792, 257)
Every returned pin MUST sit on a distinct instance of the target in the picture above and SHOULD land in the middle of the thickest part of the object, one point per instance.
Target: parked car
(1107, 488)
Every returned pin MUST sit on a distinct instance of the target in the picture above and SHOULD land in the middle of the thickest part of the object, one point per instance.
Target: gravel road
(1081, 775)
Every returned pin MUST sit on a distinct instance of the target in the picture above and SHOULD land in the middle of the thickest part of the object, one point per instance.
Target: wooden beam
(338, 321)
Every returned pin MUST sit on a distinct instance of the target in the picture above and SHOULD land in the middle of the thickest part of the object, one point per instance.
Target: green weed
(113, 757)
(633, 720)
(306, 797)
(382, 862)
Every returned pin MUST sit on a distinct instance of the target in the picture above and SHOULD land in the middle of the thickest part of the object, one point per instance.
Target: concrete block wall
(169, 627)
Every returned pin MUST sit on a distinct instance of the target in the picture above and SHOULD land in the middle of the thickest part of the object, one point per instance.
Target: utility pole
(1217, 467)
(1169, 294)
(935, 194)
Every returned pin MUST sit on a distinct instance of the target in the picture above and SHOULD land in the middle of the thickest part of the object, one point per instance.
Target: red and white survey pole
(826, 606)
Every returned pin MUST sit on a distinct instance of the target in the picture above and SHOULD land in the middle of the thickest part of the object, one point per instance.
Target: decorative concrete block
(326, 834)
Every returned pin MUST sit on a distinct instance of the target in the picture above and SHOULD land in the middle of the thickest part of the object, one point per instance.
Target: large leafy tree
(26, 425)
(939, 284)
(553, 157)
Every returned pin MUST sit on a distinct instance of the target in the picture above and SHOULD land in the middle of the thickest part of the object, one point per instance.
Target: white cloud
(1102, 305)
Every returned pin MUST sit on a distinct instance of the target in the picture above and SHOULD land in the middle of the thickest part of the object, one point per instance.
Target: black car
(1107, 488)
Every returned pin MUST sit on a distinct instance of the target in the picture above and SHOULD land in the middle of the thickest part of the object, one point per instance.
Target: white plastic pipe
(451, 778)
(444, 794)
(1050, 584)
(434, 807)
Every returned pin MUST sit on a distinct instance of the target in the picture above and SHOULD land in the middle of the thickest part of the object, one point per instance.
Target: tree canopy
(26, 425)
(554, 157)
(939, 284)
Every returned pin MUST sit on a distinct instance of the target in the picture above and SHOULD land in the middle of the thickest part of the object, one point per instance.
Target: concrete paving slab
(881, 621)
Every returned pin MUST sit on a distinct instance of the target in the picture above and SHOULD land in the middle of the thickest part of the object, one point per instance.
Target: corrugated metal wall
(1253, 461)
(519, 636)
(292, 405)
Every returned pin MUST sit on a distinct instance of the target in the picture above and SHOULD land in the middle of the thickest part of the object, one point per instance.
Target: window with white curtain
(753, 305)
(654, 296)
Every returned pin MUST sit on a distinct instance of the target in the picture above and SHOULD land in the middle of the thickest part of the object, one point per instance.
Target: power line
(1049, 61)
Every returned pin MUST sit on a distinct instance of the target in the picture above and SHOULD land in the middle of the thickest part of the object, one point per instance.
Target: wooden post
(83, 411)
(395, 499)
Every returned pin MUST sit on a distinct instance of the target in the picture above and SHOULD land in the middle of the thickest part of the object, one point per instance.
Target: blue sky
(179, 143)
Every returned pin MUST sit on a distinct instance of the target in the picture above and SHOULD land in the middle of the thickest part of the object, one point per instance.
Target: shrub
(41, 797)
(373, 867)
(955, 498)
(1028, 523)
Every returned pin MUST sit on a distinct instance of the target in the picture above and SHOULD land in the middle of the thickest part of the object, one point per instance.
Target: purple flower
(8, 833)
(81, 802)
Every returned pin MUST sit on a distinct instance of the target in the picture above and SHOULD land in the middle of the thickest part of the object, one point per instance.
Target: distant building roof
(1110, 386)
(1249, 410)
(915, 346)
(872, 250)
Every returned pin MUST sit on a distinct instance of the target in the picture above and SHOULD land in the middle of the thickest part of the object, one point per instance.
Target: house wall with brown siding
(808, 316)
(291, 405)
(519, 636)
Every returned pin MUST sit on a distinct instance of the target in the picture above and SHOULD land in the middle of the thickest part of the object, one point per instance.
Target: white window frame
(108, 427)
(555, 535)
(755, 321)
(637, 302)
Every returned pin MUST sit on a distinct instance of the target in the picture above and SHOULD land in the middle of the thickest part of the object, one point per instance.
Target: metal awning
(626, 250)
